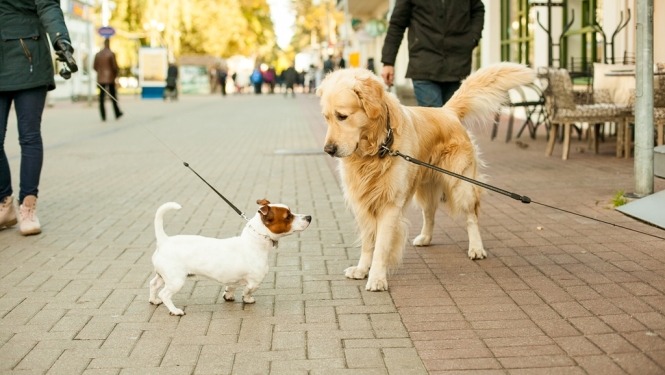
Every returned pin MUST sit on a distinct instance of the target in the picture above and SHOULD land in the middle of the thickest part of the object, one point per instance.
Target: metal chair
(562, 109)
(531, 98)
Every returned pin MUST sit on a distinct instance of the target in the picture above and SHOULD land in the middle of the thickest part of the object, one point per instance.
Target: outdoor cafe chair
(562, 109)
(531, 99)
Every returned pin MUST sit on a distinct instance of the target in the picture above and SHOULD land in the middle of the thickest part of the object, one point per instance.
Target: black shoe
(119, 115)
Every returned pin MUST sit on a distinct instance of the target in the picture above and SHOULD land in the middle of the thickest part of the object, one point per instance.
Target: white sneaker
(29, 224)
(7, 212)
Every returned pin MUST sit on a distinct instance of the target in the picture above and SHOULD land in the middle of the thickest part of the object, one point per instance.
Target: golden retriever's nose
(330, 149)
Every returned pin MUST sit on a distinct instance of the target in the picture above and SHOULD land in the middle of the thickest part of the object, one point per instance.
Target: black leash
(183, 162)
(521, 198)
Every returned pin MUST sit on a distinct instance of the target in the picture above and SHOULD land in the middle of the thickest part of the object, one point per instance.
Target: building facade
(562, 33)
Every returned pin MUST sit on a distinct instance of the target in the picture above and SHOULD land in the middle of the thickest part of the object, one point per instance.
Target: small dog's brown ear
(262, 202)
(370, 93)
(264, 210)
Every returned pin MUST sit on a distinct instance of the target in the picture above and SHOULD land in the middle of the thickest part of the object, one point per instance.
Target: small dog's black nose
(308, 218)
(330, 149)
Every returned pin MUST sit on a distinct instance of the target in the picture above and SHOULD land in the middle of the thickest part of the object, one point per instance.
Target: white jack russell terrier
(232, 261)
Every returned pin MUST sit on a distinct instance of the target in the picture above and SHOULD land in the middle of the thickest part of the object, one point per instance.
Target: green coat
(25, 57)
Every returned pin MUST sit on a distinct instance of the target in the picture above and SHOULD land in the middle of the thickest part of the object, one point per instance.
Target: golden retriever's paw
(156, 301)
(177, 312)
(228, 296)
(477, 253)
(355, 273)
(246, 299)
(377, 284)
(422, 240)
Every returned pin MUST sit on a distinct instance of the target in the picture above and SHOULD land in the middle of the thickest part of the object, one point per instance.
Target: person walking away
(342, 62)
(311, 79)
(370, 65)
(222, 75)
(257, 80)
(106, 67)
(171, 81)
(26, 75)
(442, 36)
(290, 77)
(269, 77)
(328, 65)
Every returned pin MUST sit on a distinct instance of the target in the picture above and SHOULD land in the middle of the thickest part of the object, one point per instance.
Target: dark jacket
(26, 60)
(442, 35)
(106, 66)
(290, 76)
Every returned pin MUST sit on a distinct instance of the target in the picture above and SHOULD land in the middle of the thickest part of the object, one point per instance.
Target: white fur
(232, 261)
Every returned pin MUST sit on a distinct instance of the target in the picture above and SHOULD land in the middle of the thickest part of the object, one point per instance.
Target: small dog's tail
(159, 220)
(481, 94)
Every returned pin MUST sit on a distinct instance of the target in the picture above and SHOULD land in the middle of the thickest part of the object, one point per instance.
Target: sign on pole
(106, 31)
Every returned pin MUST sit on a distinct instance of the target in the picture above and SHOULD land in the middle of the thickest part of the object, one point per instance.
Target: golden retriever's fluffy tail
(484, 91)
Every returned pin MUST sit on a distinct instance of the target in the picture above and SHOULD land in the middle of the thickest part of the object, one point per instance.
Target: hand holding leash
(64, 51)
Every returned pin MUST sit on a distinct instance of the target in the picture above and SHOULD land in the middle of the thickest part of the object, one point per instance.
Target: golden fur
(378, 190)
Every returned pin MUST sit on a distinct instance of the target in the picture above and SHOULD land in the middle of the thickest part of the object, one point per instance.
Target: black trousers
(110, 87)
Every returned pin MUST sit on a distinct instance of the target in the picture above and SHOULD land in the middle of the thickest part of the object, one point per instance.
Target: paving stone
(577, 296)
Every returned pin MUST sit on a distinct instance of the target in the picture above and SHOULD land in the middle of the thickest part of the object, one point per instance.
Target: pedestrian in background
(26, 74)
(269, 77)
(222, 75)
(290, 77)
(171, 89)
(370, 65)
(106, 67)
(311, 79)
(442, 36)
(257, 80)
(341, 64)
(328, 65)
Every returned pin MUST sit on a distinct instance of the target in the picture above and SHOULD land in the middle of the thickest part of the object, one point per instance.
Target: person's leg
(5, 175)
(102, 95)
(428, 93)
(223, 86)
(448, 89)
(29, 107)
(114, 98)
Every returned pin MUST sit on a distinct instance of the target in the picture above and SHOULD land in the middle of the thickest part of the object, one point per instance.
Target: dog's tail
(159, 220)
(481, 94)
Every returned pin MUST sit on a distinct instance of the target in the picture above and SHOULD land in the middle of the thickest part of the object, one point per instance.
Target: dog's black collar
(384, 149)
(273, 242)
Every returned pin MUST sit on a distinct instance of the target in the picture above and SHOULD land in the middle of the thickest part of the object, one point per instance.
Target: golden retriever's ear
(370, 93)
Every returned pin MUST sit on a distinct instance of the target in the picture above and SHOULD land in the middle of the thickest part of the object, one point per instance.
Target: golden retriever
(378, 189)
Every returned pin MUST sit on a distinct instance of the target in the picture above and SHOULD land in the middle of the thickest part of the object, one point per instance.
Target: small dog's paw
(478, 253)
(355, 273)
(377, 284)
(177, 312)
(229, 297)
(156, 301)
(248, 299)
(422, 240)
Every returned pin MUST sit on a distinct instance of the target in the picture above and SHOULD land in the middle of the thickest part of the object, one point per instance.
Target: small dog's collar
(273, 242)
(384, 149)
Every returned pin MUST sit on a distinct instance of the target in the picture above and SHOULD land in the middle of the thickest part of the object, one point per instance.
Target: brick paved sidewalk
(575, 297)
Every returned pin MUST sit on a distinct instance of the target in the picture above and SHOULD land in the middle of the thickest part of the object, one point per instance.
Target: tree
(200, 27)
(315, 24)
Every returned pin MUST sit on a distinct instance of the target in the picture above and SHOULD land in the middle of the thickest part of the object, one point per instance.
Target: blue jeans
(29, 105)
(433, 93)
